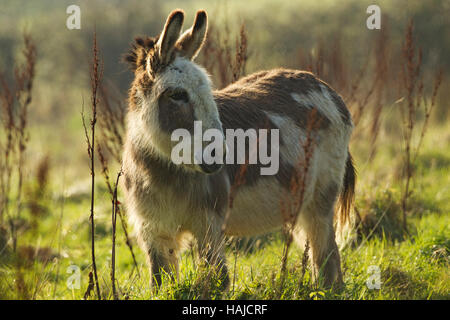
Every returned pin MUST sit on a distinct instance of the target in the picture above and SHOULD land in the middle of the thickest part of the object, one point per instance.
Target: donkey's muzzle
(210, 168)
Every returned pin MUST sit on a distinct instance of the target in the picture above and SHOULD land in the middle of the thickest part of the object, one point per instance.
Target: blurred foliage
(277, 31)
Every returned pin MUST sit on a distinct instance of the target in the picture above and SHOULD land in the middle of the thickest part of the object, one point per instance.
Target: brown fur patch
(269, 91)
(253, 173)
(142, 83)
(244, 105)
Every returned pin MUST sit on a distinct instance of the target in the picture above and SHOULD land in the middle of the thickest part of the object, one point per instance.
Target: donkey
(169, 203)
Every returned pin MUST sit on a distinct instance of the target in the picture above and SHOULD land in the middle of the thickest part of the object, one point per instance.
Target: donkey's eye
(180, 96)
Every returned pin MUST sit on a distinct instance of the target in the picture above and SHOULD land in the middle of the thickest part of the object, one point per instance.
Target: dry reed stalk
(111, 123)
(326, 63)
(305, 259)
(381, 79)
(241, 55)
(411, 71)
(60, 226)
(8, 150)
(112, 127)
(360, 89)
(90, 287)
(36, 194)
(217, 55)
(15, 101)
(7, 147)
(428, 108)
(96, 75)
(25, 85)
(413, 88)
(239, 180)
(115, 206)
(235, 263)
(105, 172)
(294, 198)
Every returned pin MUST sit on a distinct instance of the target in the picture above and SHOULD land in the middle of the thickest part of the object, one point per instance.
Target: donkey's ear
(169, 36)
(192, 40)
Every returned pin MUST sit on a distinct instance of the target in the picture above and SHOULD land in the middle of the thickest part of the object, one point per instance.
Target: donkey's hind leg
(316, 222)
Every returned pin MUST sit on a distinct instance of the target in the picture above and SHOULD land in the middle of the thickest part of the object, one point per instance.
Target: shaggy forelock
(137, 56)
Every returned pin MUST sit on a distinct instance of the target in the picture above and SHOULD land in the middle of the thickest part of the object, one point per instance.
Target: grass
(416, 268)
(412, 267)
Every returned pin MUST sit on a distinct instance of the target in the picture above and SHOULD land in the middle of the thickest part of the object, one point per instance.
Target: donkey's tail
(347, 195)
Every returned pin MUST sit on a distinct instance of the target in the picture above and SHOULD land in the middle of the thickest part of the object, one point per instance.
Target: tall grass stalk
(96, 75)
(413, 88)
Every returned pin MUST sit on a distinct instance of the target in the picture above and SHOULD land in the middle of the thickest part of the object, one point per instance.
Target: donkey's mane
(136, 56)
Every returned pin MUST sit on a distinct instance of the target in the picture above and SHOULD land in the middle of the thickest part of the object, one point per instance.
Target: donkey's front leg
(211, 246)
(162, 256)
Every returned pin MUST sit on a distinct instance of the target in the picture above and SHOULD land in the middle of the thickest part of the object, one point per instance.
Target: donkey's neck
(163, 171)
